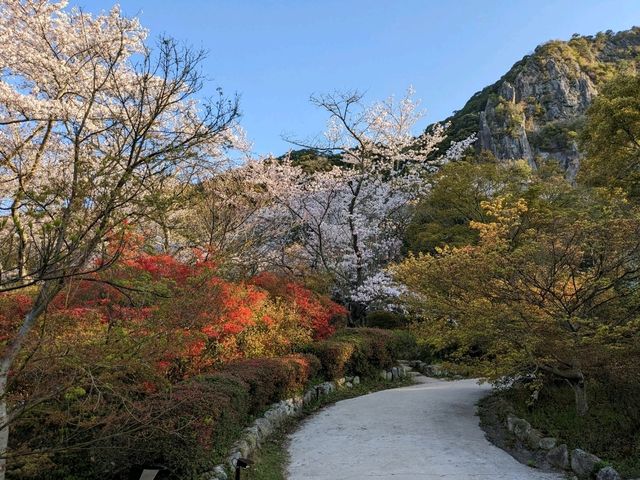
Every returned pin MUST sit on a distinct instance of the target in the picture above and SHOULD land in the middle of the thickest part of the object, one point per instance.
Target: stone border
(583, 464)
(434, 370)
(262, 428)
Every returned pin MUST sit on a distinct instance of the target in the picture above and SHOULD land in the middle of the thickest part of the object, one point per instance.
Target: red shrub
(190, 318)
(13, 307)
(320, 312)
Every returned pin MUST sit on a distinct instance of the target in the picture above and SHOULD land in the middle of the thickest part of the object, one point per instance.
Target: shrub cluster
(158, 361)
(384, 319)
(124, 418)
(361, 351)
(188, 427)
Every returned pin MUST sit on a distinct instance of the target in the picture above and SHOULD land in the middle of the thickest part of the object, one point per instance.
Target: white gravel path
(425, 431)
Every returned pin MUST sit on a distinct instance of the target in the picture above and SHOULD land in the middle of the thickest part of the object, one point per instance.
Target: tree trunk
(47, 291)
(22, 239)
(580, 391)
(575, 378)
(4, 427)
(357, 314)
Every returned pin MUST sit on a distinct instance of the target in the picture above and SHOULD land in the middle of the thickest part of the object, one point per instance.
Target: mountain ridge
(536, 109)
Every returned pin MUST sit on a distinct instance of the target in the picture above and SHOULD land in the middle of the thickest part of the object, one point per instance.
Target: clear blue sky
(275, 53)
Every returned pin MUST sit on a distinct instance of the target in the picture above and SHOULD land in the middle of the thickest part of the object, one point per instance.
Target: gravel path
(425, 431)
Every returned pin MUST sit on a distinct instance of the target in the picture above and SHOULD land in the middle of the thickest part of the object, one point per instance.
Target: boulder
(220, 472)
(348, 385)
(608, 473)
(326, 388)
(310, 396)
(232, 458)
(298, 405)
(264, 426)
(388, 376)
(521, 429)
(275, 415)
(356, 380)
(559, 457)
(394, 373)
(583, 463)
(251, 437)
(533, 438)
(243, 447)
(547, 443)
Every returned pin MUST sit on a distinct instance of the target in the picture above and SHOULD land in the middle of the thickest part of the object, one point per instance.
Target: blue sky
(276, 53)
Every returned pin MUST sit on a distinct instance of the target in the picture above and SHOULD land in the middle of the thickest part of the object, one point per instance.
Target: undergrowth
(610, 429)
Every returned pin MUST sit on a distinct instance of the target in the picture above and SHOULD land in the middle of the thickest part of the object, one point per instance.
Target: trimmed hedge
(215, 408)
(384, 319)
(361, 351)
(191, 426)
(269, 380)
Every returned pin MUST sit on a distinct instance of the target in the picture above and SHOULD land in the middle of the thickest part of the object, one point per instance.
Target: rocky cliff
(536, 109)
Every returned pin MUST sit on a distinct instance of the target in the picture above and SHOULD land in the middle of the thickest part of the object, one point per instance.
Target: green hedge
(361, 351)
(190, 426)
(384, 319)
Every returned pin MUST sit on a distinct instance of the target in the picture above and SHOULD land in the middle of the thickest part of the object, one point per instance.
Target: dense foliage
(112, 413)
(539, 277)
(362, 351)
(123, 365)
(155, 296)
(611, 138)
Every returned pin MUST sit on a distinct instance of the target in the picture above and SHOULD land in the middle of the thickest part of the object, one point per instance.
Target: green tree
(454, 200)
(611, 138)
(549, 290)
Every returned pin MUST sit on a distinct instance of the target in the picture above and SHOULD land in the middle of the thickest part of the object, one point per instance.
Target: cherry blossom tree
(348, 220)
(92, 123)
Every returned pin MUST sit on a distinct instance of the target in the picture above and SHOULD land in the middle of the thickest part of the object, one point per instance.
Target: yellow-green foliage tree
(611, 138)
(549, 290)
(454, 200)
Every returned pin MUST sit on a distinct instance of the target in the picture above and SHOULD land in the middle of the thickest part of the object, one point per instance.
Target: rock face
(535, 110)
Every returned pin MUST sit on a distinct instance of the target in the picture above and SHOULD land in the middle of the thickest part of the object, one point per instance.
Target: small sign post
(241, 463)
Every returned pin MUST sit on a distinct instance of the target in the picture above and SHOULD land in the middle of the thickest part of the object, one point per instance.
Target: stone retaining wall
(582, 464)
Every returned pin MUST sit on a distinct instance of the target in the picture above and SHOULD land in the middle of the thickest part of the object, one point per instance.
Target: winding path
(425, 431)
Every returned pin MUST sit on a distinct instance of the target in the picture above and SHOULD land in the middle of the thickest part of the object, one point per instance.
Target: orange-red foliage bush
(320, 312)
(191, 318)
(147, 360)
